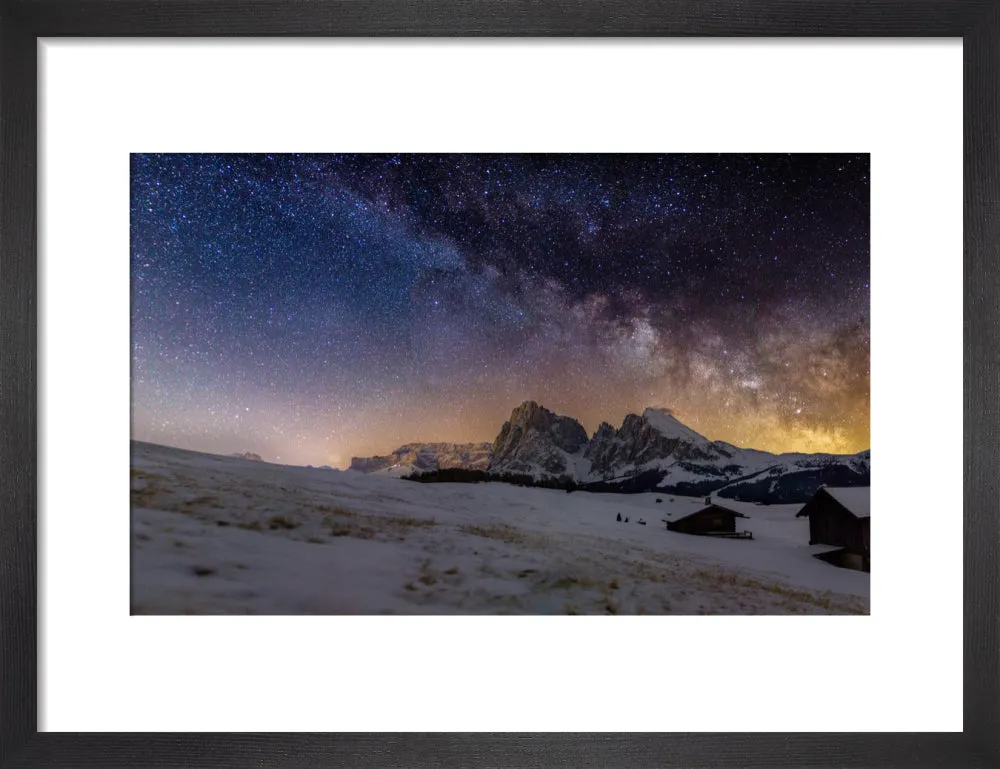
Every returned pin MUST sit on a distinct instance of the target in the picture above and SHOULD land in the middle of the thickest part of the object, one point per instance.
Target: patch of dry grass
(397, 523)
(568, 581)
(345, 523)
(202, 501)
(332, 510)
(351, 529)
(824, 600)
(144, 497)
(427, 577)
(135, 472)
(644, 573)
(501, 531)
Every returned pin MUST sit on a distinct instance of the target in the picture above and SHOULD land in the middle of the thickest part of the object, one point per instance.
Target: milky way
(314, 307)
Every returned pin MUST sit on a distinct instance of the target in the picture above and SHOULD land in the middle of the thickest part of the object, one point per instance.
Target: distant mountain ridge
(652, 451)
(427, 457)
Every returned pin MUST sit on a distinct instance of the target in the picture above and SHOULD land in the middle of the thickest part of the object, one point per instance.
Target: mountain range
(427, 457)
(653, 451)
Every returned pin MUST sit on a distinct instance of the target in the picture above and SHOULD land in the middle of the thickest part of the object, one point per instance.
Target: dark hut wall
(831, 524)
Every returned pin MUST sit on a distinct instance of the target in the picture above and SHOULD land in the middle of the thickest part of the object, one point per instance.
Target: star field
(311, 308)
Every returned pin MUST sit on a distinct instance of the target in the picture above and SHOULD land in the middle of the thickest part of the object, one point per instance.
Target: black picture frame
(22, 22)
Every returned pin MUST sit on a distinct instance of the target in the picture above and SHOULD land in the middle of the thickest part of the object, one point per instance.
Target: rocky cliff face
(535, 441)
(602, 450)
(654, 436)
(426, 457)
(655, 450)
(538, 442)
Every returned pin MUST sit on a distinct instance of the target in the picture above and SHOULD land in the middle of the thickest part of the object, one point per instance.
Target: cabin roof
(709, 507)
(855, 499)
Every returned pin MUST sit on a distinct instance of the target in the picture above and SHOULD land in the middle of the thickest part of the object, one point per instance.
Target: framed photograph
(500, 384)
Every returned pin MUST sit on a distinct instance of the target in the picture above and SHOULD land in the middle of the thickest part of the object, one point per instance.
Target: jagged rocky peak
(663, 421)
(601, 444)
(565, 432)
(535, 440)
(654, 436)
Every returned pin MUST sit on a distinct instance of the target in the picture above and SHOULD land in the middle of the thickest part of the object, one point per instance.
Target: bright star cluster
(311, 308)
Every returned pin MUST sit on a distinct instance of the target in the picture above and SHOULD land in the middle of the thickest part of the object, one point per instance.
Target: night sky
(311, 308)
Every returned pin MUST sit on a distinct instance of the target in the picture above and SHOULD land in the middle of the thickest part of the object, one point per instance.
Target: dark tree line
(763, 487)
(450, 475)
(462, 475)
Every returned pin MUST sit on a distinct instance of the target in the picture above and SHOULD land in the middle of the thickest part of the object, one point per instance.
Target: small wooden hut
(711, 519)
(841, 517)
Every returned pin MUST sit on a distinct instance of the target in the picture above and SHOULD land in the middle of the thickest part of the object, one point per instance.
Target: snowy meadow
(225, 535)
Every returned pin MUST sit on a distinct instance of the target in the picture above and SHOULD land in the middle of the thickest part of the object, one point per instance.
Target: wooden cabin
(711, 519)
(840, 517)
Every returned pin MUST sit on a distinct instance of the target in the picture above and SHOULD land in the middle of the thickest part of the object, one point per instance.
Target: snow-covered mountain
(652, 451)
(427, 457)
(655, 451)
(646, 439)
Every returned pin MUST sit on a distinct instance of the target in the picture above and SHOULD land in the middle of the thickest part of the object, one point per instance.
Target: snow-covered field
(221, 535)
